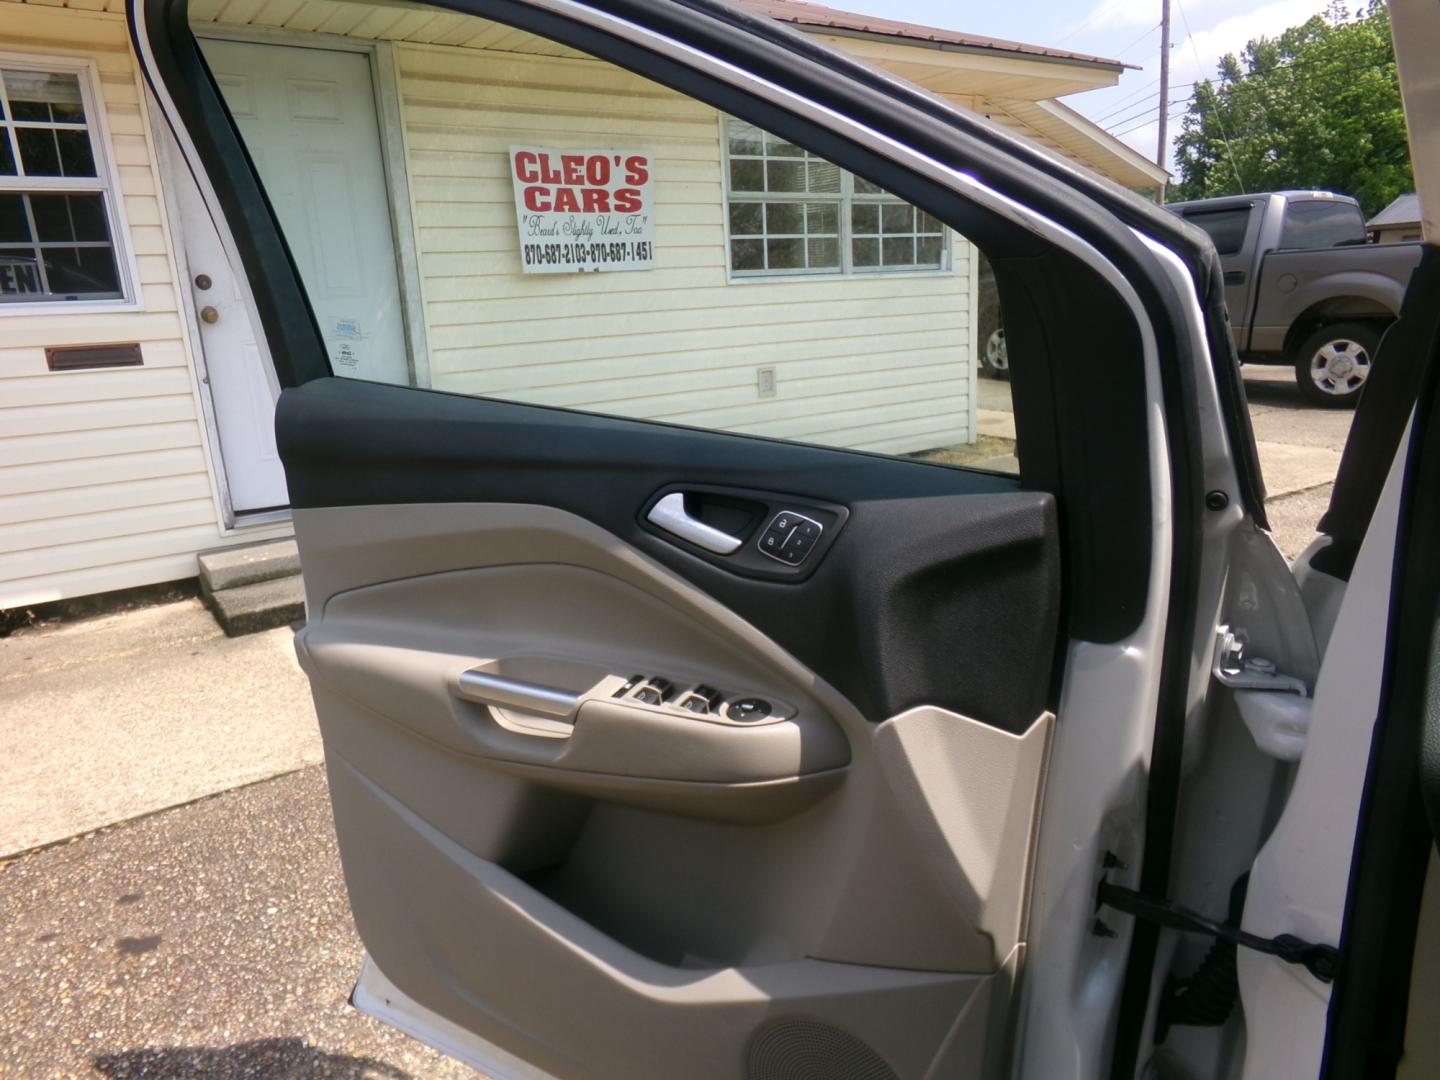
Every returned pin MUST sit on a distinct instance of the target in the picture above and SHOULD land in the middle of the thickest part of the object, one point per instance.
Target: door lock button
(790, 537)
(748, 710)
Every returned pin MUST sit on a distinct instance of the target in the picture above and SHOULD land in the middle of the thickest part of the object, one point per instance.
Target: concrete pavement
(109, 718)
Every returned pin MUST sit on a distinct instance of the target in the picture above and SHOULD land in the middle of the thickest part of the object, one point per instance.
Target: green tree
(1317, 107)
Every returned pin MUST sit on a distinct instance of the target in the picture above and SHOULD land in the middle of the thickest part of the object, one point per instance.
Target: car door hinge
(1274, 706)
(1319, 960)
(1239, 670)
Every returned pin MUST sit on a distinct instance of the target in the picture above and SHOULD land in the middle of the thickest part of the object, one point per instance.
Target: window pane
(14, 225)
(39, 152)
(787, 263)
(75, 156)
(747, 176)
(785, 175)
(824, 254)
(81, 271)
(55, 152)
(897, 218)
(745, 138)
(1322, 223)
(747, 254)
(897, 251)
(785, 254)
(61, 218)
(46, 96)
(824, 177)
(822, 217)
(865, 252)
(1226, 227)
(783, 218)
(746, 219)
(7, 156)
(778, 147)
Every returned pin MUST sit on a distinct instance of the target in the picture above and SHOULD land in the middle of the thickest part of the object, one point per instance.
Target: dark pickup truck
(1302, 285)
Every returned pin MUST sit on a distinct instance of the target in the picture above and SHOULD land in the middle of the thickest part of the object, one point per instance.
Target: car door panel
(678, 912)
(925, 553)
(861, 870)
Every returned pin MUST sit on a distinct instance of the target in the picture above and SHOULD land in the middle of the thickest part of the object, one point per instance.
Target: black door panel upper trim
(943, 587)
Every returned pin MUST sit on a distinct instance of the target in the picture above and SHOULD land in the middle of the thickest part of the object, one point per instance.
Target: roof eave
(1094, 63)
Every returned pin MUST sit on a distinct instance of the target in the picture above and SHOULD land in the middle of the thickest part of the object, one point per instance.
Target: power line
(1121, 104)
(1143, 123)
(1087, 22)
(1104, 119)
(1147, 109)
(1137, 41)
(1190, 34)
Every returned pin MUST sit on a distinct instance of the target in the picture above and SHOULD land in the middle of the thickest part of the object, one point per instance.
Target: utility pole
(1161, 148)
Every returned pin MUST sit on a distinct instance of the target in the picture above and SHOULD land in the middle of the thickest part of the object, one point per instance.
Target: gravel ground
(213, 940)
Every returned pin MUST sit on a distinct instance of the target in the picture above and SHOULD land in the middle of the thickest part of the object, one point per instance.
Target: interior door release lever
(669, 514)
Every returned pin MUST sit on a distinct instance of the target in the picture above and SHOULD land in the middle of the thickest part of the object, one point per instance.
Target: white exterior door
(243, 389)
(308, 118)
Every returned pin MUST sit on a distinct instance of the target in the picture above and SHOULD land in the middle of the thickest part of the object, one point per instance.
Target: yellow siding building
(117, 476)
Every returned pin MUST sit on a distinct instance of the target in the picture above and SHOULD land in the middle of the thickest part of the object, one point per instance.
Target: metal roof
(1405, 210)
(819, 17)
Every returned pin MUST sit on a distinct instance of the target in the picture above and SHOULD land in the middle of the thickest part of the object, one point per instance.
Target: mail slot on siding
(89, 357)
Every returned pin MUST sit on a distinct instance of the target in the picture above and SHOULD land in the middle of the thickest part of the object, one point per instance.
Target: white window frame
(105, 182)
(844, 199)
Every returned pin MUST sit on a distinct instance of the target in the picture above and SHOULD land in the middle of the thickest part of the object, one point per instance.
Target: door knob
(202, 281)
(209, 314)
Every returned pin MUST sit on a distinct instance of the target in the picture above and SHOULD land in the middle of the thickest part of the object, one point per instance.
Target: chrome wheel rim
(996, 357)
(1340, 367)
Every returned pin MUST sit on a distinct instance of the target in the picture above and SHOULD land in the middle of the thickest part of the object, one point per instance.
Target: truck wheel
(1333, 364)
(994, 360)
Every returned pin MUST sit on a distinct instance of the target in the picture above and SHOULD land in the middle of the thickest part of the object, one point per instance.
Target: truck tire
(1333, 364)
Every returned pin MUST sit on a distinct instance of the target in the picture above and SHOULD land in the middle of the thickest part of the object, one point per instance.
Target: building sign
(19, 275)
(583, 209)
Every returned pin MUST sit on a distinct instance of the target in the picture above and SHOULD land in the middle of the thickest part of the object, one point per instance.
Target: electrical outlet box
(765, 381)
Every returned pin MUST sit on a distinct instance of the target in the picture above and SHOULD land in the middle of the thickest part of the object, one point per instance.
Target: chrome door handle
(484, 688)
(669, 514)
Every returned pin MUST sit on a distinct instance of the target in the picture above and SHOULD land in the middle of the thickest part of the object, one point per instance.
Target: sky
(1129, 30)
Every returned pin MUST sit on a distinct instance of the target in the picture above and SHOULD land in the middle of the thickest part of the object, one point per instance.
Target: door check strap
(1319, 960)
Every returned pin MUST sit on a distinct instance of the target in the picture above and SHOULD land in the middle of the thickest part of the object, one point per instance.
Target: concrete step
(261, 605)
(231, 567)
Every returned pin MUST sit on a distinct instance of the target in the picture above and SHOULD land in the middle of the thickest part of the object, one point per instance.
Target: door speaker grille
(797, 1049)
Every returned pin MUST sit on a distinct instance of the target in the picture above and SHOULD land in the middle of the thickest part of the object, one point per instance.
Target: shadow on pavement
(1270, 391)
(293, 1059)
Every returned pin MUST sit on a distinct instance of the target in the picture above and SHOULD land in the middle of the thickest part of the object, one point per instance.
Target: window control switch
(790, 537)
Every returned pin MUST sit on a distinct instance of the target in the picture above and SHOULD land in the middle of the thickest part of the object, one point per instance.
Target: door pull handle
(484, 688)
(669, 514)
